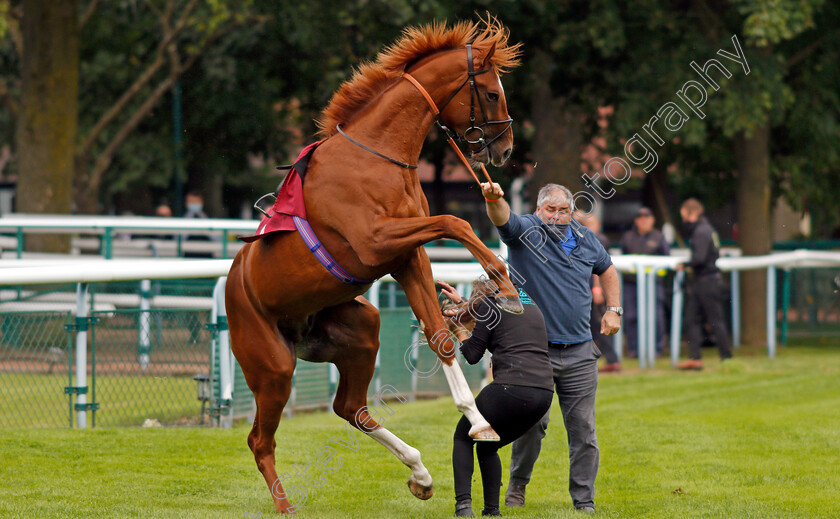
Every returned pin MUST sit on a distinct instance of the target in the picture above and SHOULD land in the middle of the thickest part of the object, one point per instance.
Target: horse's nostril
(506, 154)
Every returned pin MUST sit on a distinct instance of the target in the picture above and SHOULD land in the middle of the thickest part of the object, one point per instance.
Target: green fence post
(69, 329)
(783, 328)
(19, 242)
(107, 243)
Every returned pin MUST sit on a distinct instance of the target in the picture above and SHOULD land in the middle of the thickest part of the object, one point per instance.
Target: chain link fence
(810, 303)
(149, 366)
(35, 358)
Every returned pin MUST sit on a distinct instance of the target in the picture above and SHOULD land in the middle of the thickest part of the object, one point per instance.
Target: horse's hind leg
(353, 332)
(268, 364)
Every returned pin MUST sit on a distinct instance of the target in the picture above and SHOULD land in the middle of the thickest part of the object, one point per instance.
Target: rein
(359, 144)
(452, 135)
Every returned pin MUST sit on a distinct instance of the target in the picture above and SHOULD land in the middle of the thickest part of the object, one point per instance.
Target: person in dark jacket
(518, 397)
(703, 288)
(643, 238)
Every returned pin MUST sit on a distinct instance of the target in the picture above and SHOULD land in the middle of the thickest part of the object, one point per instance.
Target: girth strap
(324, 257)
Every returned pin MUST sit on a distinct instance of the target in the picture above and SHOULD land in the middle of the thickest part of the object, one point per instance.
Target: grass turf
(753, 437)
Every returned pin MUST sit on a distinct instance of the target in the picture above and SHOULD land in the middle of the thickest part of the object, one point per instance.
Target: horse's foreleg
(393, 237)
(418, 284)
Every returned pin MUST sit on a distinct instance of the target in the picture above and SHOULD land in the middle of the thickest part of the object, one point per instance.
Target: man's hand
(492, 191)
(611, 323)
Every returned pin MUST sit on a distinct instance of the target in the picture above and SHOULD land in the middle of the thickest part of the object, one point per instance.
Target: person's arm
(611, 322)
(474, 347)
(497, 208)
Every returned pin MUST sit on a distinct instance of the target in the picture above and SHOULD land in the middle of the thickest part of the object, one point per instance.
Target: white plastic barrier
(109, 228)
(84, 272)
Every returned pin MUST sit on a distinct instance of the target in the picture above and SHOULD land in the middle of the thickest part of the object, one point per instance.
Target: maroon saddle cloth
(289, 202)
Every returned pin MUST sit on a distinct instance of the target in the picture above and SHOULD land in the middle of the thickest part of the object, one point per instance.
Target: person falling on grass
(518, 397)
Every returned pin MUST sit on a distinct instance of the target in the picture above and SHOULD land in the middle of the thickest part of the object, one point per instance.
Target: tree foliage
(255, 74)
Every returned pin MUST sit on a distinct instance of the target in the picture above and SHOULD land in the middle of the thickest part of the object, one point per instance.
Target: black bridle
(471, 74)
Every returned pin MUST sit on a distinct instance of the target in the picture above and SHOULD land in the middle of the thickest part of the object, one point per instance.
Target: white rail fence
(146, 236)
(17, 273)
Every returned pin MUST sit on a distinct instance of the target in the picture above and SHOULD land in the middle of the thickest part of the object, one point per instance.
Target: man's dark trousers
(704, 302)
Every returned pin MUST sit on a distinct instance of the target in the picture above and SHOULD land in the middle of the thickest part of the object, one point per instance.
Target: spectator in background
(599, 305)
(194, 203)
(703, 287)
(643, 239)
(163, 211)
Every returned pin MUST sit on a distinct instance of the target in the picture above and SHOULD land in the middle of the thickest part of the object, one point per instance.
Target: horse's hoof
(511, 305)
(485, 435)
(420, 491)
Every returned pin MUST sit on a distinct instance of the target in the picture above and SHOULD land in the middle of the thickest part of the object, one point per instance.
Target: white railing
(33, 272)
(149, 236)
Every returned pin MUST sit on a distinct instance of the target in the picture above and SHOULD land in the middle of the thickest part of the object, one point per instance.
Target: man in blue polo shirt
(552, 257)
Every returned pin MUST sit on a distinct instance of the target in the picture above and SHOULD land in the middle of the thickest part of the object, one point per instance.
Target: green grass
(753, 437)
(30, 400)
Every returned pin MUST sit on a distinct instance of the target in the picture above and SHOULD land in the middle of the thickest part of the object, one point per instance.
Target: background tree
(161, 41)
(47, 110)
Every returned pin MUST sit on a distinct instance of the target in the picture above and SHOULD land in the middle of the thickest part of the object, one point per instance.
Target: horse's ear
(488, 56)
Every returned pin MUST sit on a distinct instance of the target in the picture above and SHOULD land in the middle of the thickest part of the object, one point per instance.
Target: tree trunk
(49, 113)
(754, 227)
(558, 143)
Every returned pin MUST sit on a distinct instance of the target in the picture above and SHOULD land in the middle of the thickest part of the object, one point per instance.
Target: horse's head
(477, 111)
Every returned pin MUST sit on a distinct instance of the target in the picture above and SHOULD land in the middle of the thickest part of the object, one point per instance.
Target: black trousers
(511, 410)
(704, 303)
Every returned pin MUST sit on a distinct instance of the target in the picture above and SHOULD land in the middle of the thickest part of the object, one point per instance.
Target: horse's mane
(371, 78)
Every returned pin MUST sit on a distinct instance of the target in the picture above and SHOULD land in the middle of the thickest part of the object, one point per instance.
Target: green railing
(142, 365)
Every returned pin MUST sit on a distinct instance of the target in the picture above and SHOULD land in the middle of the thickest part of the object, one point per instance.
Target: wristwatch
(616, 309)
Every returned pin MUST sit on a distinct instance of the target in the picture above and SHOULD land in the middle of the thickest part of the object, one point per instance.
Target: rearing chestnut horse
(371, 215)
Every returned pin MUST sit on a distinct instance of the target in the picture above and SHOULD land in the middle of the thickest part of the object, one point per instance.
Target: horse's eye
(492, 96)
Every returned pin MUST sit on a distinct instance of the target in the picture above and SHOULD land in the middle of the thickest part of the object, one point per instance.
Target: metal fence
(35, 360)
(810, 303)
(147, 365)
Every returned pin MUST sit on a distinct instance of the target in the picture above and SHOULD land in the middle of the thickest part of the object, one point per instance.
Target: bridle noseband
(471, 74)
